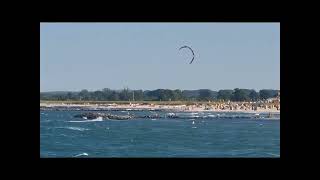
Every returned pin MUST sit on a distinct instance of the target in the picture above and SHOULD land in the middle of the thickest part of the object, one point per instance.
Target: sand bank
(184, 108)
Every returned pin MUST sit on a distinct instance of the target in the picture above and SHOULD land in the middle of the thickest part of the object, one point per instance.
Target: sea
(218, 135)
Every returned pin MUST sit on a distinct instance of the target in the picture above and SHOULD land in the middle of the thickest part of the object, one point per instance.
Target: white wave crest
(47, 120)
(272, 154)
(82, 154)
(99, 118)
(92, 120)
(76, 128)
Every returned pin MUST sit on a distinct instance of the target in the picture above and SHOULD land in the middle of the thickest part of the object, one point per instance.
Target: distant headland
(237, 100)
(126, 94)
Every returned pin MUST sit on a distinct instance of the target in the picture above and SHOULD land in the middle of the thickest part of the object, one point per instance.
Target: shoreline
(151, 107)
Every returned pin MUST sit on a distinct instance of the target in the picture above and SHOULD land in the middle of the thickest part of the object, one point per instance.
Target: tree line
(126, 94)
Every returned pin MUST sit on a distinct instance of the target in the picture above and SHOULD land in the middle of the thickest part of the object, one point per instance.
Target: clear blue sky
(75, 56)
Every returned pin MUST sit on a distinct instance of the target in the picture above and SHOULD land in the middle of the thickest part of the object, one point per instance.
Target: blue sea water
(62, 135)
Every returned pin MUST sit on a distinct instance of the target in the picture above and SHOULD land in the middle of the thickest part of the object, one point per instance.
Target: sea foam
(82, 154)
(92, 120)
(75, 128)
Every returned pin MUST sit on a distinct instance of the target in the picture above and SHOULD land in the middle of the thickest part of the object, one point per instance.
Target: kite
(190, 50)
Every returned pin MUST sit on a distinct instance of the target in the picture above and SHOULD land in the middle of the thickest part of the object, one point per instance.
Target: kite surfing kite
(190, 50)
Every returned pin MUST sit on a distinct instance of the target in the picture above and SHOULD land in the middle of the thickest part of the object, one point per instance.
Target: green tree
(163, 94)
(204, 94)
(69, 96)
(98, 95)
(254, 96)
(138, 95)
(177, 95)
(124, 95)
(240, 95)
(114, 96)
(225, 94)
(267, 93)
(106, 93)
(149, 95)
(84, 95)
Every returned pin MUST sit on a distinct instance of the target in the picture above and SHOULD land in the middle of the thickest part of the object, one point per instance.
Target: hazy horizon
(93, 56)
(154, 89)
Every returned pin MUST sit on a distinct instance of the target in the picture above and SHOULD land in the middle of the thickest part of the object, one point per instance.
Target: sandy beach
(222, 107)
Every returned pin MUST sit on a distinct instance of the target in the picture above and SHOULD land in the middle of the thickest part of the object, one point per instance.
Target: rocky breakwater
(91, 115)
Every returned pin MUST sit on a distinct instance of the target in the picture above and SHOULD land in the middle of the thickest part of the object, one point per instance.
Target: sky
(92, 56)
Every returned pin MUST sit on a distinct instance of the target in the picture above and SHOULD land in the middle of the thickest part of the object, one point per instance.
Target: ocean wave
(73, 128)
(272, 154)
(78, 128)
(82, 154)
(46, 120)
(92, 120)
(187, 116)
(87, 121)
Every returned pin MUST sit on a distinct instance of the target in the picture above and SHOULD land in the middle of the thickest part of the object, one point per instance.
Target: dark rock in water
(117, 117)
(172, 116)
(91, 115)
(88, 115)
(78, 116)
(150, 116)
